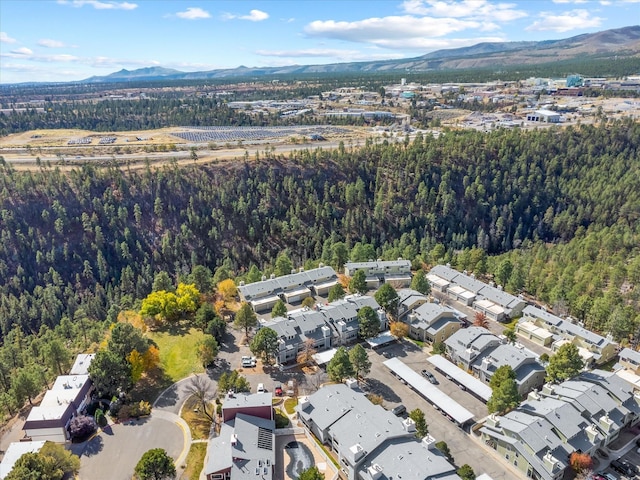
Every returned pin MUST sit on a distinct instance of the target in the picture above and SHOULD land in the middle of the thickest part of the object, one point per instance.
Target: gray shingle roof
(494, 294)
(278, 285)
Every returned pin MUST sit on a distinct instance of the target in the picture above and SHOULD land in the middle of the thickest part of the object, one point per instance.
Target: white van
(261, 388)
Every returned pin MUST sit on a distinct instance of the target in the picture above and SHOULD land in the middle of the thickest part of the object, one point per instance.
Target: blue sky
(64, 40)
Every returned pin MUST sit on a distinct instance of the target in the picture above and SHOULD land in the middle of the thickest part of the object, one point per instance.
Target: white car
(261, 388)
(249, 362)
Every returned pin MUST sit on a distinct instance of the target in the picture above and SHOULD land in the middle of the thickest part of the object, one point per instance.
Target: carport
(322, 358)
(471, 383)
(381, 339)
(433, 394)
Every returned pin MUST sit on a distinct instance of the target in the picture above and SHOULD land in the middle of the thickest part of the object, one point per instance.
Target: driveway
(114, 453)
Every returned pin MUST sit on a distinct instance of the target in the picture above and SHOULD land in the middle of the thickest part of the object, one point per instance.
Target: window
(506, 455)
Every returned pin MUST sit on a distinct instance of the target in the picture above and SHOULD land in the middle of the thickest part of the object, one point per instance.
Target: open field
(178, 353)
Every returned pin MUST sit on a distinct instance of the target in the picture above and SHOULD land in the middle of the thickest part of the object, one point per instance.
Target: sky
(69, 40)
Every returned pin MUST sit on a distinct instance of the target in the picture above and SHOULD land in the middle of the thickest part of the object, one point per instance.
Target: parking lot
(463, 447)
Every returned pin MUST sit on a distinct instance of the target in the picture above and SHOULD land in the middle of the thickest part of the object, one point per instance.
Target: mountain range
(620, 42)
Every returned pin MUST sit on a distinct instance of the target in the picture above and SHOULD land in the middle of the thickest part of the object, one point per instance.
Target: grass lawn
(289, 404)
(178, 355)
(195, 461)
(197, 421)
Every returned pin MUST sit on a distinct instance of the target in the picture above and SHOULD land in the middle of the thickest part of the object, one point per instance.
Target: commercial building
(67, 398)
(50, 420)
(14, 452)
(544, 116)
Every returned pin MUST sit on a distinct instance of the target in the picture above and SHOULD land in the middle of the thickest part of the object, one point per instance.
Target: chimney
(409, 425)
(375, 471)
(429, 442)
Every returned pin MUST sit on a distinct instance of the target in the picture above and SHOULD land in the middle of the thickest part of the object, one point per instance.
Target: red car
(278, 391)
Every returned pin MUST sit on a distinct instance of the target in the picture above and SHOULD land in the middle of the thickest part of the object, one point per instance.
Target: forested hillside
(74, 244)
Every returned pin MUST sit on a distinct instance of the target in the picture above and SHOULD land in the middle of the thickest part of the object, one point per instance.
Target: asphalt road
(114, 453)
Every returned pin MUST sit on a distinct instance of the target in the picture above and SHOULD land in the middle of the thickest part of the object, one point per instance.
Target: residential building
(579, 415)
(630, 359)
(326, 326)
(293, 288)
(432, 323)
(67, 398)
(493, 301)
(370, 442)
(396, 272)
(594, 349)
(256, 405)
(465, 346)
(530, 374)
(409, 300)
(245, 447)
(628, 368)
(14, 452)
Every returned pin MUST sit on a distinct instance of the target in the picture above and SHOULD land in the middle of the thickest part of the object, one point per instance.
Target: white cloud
(472, 9)
(253, 16)
(22, 51)
(569, 1)
(49, 43)
(564, 22)
(308, 52)
(4, 38)
(389, 30)
(100, 5)
(193, 13)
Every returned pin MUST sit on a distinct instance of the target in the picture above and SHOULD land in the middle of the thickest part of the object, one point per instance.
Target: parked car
(278, 391)
(609, 476)
(429, 376)
(248, 362)
(399, 410)
(261, 388)
(386, 354)
(621, 467)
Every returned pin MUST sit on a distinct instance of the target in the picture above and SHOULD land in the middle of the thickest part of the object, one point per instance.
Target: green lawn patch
(195, 461)
(178, 353)
(289, 405)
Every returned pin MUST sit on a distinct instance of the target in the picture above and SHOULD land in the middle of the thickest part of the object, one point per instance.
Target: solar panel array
(80, 141)
(229, 134)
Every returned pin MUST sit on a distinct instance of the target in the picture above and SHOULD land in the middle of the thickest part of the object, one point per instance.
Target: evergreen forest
(552, 213)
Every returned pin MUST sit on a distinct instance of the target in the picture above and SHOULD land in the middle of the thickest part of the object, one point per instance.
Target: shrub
(99, 417)
(82, 426)
(140, 409)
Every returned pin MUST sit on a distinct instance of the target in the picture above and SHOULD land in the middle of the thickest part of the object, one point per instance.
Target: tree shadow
(168, 398)
(228, 343)
(385, 391)
(93, 446)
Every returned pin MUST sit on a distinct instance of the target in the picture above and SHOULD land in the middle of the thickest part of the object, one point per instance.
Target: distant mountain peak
(619, 41)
